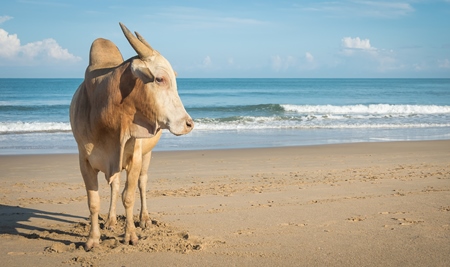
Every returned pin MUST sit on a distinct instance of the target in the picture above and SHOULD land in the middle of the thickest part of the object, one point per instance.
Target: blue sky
(299, 39)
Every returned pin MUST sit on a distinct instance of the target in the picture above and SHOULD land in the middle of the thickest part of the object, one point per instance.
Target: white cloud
(351, 45)
(356, 43)
(309, 63)
(309, 57)
(4, 18)
(10, 48)
(361, 53)
(207, 61)
(9, 44)
(49, 48)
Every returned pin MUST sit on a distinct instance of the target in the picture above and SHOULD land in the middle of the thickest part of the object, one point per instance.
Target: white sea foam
(368, 109)
(261, 123)
(33, 127)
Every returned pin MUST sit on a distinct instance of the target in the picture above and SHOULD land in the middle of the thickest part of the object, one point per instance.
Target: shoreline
(156, 150)
(57, 143)
(368, 204)
(350, 144)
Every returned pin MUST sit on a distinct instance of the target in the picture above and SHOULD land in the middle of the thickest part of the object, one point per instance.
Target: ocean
(246, 113)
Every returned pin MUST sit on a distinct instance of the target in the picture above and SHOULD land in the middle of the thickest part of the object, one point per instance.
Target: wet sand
(366, 204)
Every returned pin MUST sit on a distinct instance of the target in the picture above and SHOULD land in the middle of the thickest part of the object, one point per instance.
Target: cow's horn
(141, 48)
(143, 40)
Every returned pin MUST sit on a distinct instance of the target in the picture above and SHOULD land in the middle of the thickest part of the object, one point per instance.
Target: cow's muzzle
(185, 128)
(189, 124)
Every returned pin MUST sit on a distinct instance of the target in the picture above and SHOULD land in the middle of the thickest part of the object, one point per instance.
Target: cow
(117, 115)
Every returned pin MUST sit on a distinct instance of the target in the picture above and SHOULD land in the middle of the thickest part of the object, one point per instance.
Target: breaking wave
(33, 127)
(283, 116)
(368, 109)
(328, 117)
(259, 123)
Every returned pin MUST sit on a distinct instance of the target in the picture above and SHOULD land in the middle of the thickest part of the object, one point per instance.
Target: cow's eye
(159, 79)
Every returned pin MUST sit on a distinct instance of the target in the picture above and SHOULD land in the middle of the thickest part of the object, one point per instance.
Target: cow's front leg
(128, 197)
(144, 218)
(112, 215)
(91, 184)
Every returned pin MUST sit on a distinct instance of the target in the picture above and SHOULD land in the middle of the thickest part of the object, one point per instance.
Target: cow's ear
(143, 127)
(141, 71)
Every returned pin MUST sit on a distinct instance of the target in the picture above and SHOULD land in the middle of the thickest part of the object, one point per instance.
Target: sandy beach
(365, 204)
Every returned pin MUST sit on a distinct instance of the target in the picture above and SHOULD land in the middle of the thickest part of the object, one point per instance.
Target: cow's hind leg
(91, 184)
(112, 215)
(144, 218)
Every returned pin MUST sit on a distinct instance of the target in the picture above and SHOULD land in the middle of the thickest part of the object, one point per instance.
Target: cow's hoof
(144, 220)
(131, 239)
(91, 243)
(111, 224)
(145, 223)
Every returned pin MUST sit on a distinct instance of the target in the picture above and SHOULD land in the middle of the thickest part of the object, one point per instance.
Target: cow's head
(160, 88)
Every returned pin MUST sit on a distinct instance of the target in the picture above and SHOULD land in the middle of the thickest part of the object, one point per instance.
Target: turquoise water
(238, 113)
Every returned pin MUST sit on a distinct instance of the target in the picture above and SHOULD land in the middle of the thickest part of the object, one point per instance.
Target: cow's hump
(104, 54)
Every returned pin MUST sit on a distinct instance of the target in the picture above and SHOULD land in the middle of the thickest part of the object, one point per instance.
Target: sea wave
(33, 127)
(240, 108)
(260, 123)
(283, 116)
(31, 108)
(243, 123)
(368, 109)
(354, 111)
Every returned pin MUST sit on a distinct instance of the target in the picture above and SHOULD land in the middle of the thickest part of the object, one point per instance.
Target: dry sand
(368, 204)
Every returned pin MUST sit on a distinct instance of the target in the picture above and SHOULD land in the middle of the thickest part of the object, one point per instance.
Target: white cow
(117, 115)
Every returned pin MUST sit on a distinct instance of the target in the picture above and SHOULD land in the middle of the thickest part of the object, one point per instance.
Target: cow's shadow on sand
(16, 220)
(71, 231)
